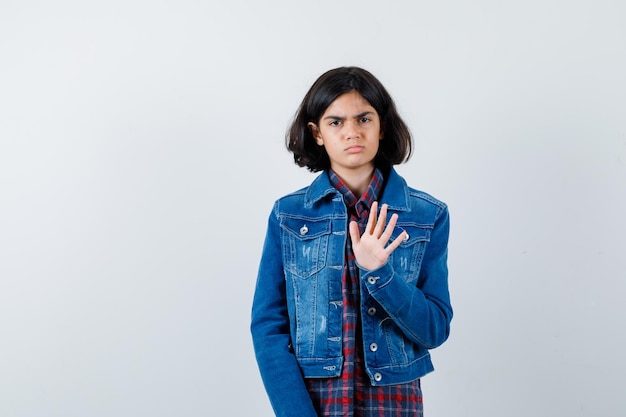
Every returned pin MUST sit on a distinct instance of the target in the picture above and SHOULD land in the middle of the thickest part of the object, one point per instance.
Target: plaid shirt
(351, 394)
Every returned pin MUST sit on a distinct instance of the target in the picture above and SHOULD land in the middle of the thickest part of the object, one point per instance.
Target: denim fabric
(297, 307)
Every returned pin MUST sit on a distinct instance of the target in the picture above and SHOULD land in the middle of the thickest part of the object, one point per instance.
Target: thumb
(355, 235)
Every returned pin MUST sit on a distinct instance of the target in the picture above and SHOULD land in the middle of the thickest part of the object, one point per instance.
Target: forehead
(351, 102)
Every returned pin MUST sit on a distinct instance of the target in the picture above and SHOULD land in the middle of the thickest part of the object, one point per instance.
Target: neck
(356, 181)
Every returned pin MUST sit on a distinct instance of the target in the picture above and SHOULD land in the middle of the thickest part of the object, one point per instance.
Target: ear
(382, 135)
(315, 131)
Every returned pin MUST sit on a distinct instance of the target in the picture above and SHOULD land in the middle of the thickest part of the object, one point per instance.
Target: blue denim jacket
(297, 307)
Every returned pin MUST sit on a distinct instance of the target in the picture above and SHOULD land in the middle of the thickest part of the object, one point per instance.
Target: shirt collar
(395, 192)
(363, 204)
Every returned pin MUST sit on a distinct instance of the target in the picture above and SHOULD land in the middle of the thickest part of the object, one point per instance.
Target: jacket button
(371, 311)
(373, 347)
(378, 377)
(372, 280)
(406, 237)
(304, 230)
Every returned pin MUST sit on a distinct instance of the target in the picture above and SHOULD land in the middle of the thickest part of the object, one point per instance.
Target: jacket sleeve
(271, 338)
(423, 312)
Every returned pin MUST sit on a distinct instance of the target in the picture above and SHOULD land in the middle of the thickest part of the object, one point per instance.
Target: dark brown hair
(396, 148)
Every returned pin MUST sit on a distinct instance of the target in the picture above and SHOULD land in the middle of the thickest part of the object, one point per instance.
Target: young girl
(352, 289)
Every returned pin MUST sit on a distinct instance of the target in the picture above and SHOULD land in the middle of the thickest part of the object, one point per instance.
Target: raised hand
(370, 248)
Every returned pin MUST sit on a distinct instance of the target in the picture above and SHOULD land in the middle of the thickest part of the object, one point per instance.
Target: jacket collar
(395, 192)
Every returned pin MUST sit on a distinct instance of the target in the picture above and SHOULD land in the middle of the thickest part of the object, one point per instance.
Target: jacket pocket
(407, 258)
(305, 243)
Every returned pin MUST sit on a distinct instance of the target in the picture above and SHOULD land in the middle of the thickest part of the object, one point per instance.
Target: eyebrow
(358, 116)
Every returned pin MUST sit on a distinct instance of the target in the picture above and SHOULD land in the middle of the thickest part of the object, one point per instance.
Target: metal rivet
(371, 311)
(304, 230)
(373, 347)
(378, 377)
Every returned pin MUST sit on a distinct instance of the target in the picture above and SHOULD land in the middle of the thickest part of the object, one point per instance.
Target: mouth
(354, 149)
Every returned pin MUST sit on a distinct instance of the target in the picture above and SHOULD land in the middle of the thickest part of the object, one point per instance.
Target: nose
(352, 129)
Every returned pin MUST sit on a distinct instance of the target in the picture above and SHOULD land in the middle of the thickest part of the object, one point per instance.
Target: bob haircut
(395, 148)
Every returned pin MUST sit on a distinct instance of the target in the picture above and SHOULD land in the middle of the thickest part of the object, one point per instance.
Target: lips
(354, 149)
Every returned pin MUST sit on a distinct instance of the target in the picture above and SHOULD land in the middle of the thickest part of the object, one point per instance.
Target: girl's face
(350, 132)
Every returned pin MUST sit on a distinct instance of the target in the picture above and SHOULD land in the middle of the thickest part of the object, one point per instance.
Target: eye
(335, 123)
(365, 120)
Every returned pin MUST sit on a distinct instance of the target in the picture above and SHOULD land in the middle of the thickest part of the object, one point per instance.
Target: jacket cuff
(376, 278)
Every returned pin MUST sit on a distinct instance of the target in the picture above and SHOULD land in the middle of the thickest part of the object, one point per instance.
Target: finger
(371, 221)
(382, 220)
(355, 236)
(386, 235)
(394, 245)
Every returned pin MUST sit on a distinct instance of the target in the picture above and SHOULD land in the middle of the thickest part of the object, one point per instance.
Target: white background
(141, 148)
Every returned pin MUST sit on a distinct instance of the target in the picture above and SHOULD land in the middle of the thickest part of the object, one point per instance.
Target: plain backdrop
(142, 146)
